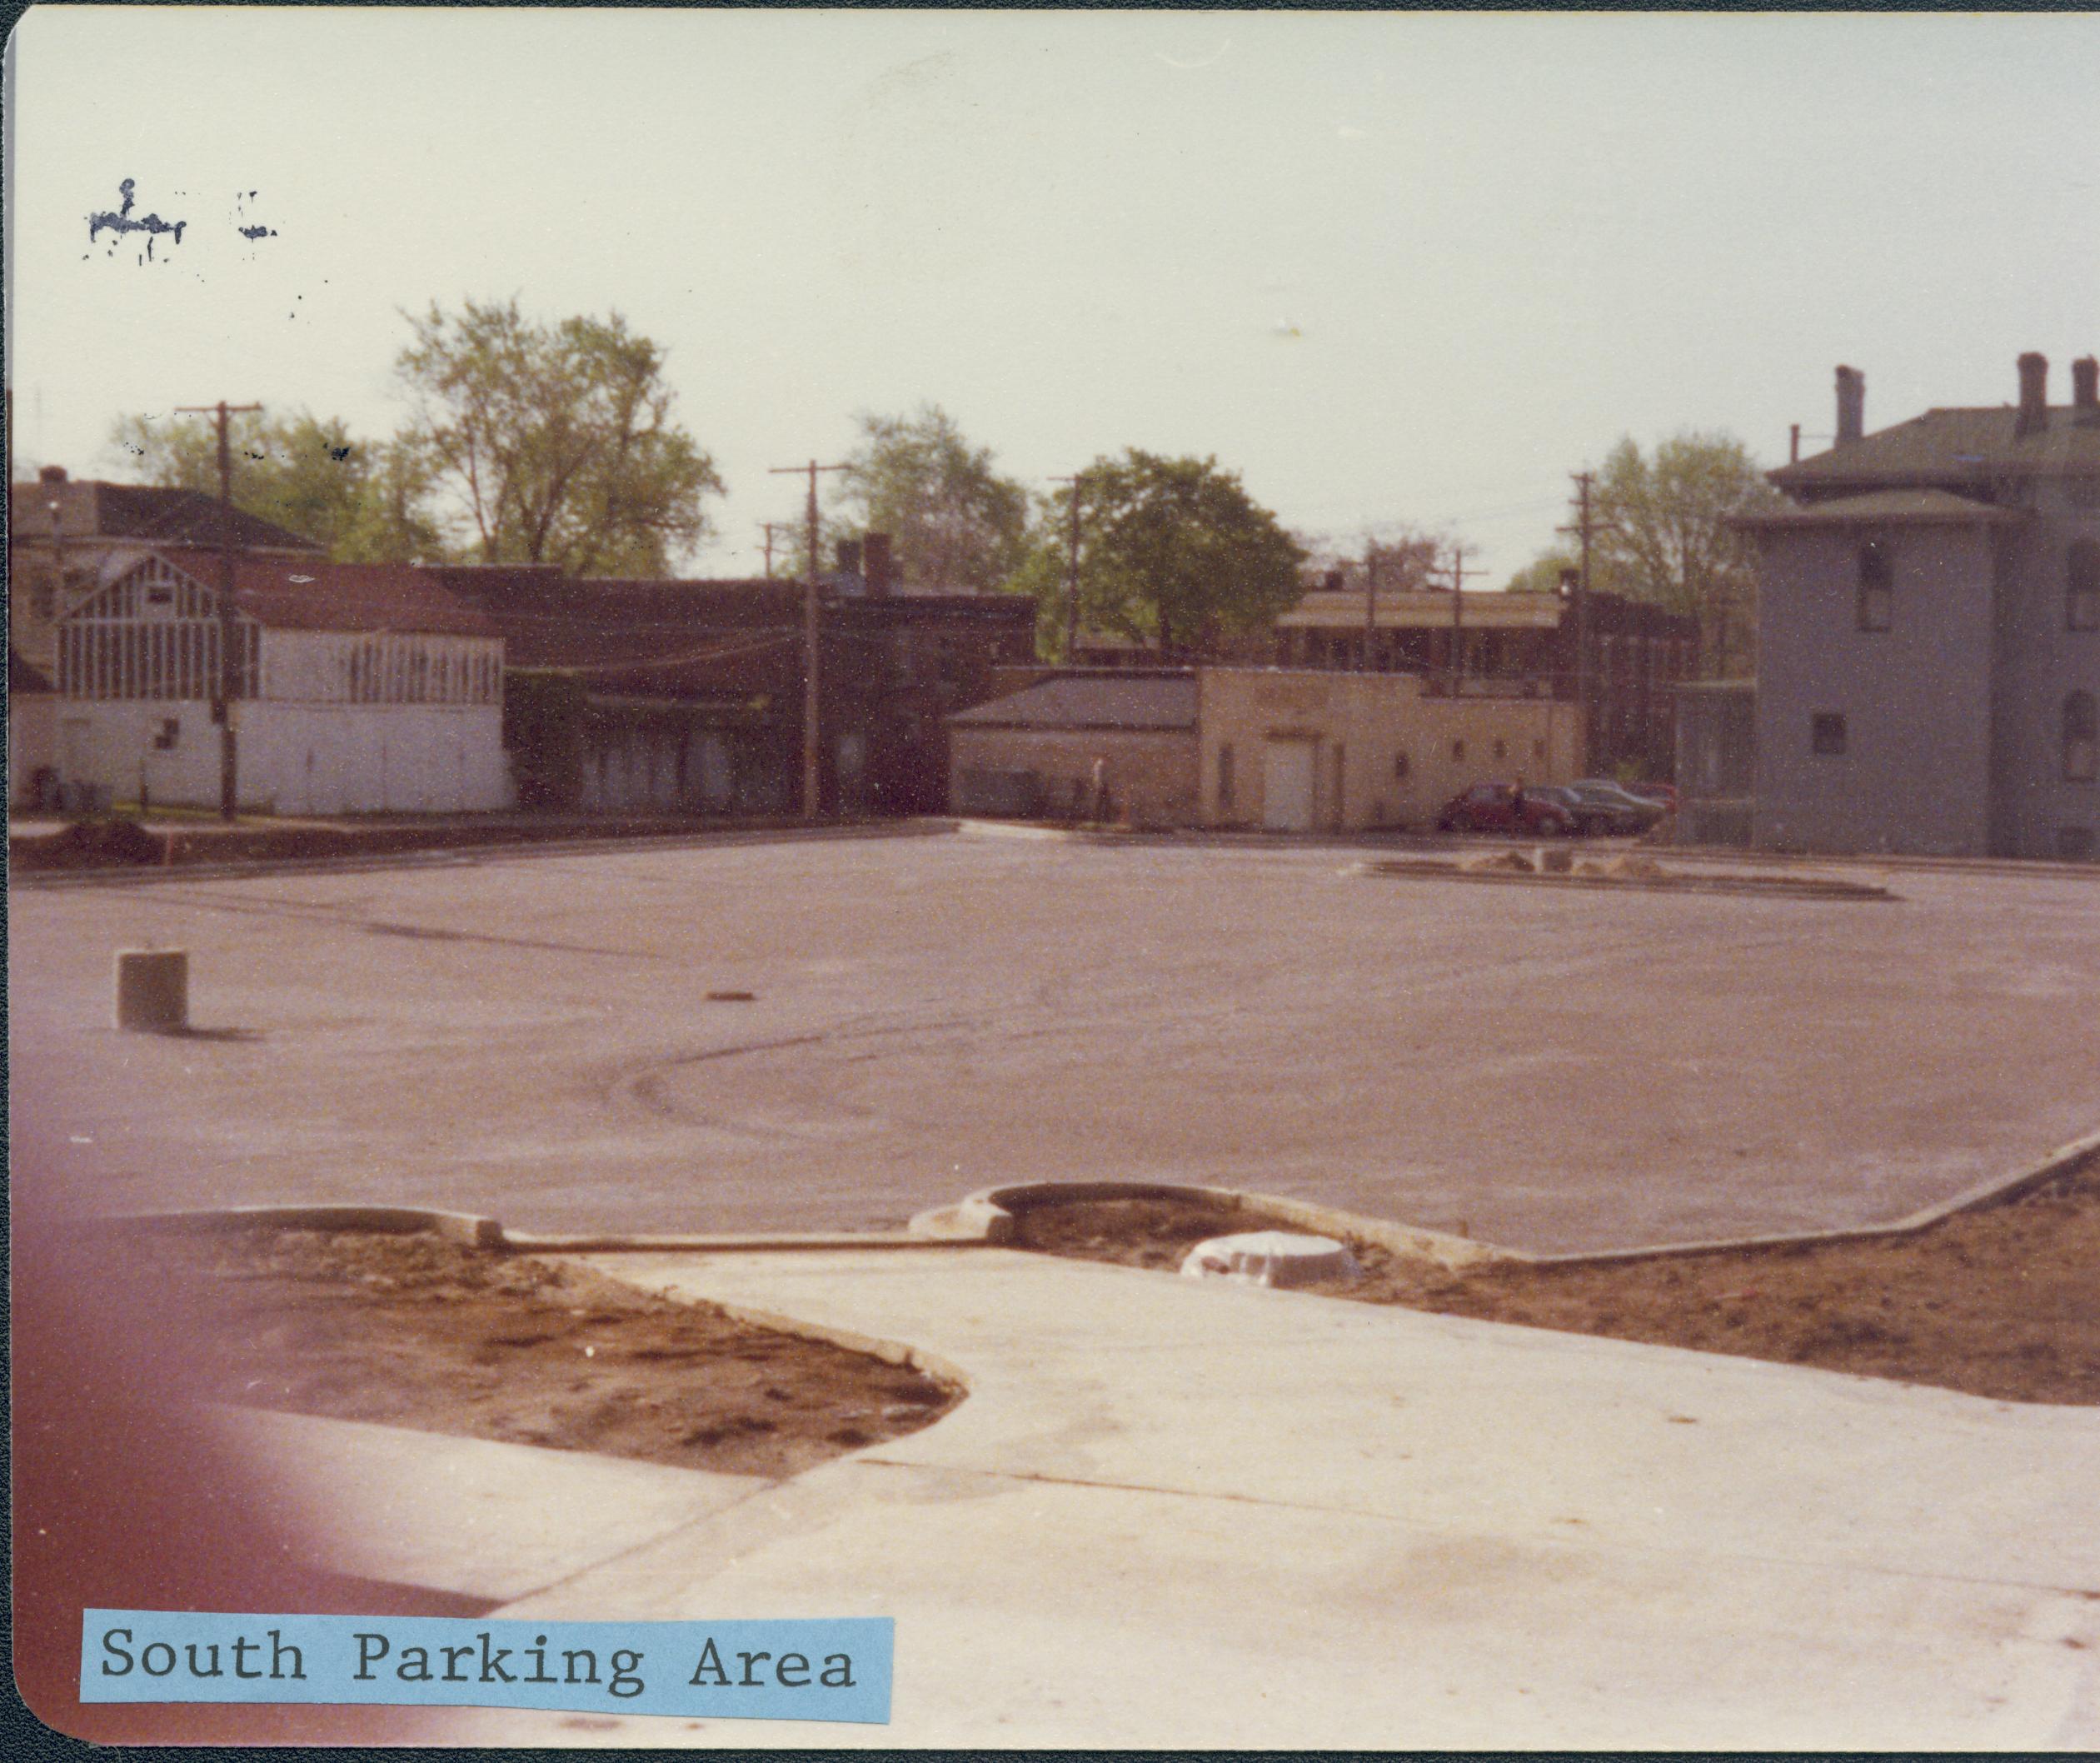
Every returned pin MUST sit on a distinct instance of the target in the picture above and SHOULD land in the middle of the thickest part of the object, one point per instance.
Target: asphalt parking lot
(533, 1036)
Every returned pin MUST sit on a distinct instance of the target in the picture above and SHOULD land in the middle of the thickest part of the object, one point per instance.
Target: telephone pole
(1584, 482)
(1458, 573)
(770, 528)
(810, 769)
(1370, 600)
(227, 683)
(1072, 572)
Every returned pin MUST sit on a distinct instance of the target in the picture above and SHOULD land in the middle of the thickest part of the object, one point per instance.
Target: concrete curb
(469, 1228)
(469, 850)
(991, 1216)
(1769, 887)
(1997, 1192)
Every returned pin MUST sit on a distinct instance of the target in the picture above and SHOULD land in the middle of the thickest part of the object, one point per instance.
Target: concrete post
(153, 990)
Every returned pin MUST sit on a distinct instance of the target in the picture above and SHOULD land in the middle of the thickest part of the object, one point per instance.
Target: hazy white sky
(1390, 268)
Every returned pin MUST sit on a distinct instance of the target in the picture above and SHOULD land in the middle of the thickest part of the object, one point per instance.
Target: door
(1287, 786)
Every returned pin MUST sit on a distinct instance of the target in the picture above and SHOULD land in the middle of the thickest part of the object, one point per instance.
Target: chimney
(52, 474)
(1852, 404)
(1331, 583)
(874, 553)
(848, 556)
(2085, 384)
(2034, 396)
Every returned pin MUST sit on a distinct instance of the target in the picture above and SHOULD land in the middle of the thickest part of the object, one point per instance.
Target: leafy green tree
(554, 444)
(954, 522)
(1659, 532)
(1174, 554)
(307, 474)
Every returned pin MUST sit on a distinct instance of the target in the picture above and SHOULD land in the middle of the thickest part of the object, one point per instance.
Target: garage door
(1287, 786)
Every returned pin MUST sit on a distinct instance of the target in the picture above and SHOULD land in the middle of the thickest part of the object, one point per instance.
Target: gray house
(1928, 661)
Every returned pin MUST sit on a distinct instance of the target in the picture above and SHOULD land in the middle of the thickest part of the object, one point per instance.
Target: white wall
(296, 758)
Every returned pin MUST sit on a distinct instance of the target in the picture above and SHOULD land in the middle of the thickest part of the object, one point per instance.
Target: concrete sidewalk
(1183, 1514)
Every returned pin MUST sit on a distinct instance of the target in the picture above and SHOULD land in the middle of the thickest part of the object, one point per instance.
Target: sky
(1411, 269)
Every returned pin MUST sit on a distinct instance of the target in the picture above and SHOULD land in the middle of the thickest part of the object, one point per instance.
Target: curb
(1765, 887)
(469, 1228)
(991, 1216)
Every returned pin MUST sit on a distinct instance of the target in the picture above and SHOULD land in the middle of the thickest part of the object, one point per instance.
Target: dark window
(1399, 767)
(1826, 732)
(2081, 739)
(1877, 581)
(1502, 749)
(1224, 777)
(2082, 593)
(1457, 749)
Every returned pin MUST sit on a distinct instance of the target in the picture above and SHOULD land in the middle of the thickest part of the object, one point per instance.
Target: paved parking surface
(533, 1036)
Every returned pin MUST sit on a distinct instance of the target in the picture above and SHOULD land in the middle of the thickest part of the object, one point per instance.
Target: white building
(358, 688)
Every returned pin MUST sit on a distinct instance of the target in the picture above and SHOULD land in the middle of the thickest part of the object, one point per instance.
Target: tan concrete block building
(1289, 749)
(1309, 751)
(1033, 754)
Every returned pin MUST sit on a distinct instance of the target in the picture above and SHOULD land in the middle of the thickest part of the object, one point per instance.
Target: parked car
(1664, 794)
(1594, 815)
(1506, 807)
(1603, 790)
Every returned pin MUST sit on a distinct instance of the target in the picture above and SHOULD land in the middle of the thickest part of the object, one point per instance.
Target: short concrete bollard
(153, 990)
(1552, 860)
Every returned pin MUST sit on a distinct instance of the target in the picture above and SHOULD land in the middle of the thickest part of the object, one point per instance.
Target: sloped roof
(1919, 506)
(1952, 444)
(310, 594)
(158, 516)
(25, 679)
(1102, 701)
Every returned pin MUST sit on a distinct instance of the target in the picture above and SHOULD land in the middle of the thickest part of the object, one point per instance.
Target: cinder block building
(1289, 749)
(1930, 632)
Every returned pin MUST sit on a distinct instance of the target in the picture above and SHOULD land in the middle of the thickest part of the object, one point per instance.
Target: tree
(554, 445)
(1661, 529)
(1174, 553)
(1659, 532)
(365, 503)
(954, 522)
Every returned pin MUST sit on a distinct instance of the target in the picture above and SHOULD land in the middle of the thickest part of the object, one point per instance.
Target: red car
(1505, 808)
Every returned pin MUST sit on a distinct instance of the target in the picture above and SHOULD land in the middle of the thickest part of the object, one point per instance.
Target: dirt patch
(2003, 1301)
(1141, 1233)
(416, 1332)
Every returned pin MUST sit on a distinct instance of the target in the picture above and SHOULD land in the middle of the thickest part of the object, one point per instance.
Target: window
(2081, 590)
(1877, 583)
(1457, 750)
(2081, 739)
(1826, 733)
(1224, 778)
(1399, 768)
(171, 733)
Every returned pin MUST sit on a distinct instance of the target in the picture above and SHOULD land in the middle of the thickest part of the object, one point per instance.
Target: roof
(1344, 610)
(25, 679)
(1952, 445)
(1092, 700)
(1919, 506)
(310, 594)
(550, 620)
(162, 515)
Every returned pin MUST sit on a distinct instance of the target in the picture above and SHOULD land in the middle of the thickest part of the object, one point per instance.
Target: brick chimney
(52, 474)
(848, 556)
(2034, 396)
(1852, 404)
(2085, 384)
(881, 565)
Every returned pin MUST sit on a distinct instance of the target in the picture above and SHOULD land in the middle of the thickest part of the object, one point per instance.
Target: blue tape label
(822, 1670)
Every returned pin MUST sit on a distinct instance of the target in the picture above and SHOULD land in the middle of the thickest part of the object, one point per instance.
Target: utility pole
(1072, 572)
(1458, 573)
(1584, 482)
(227, 683)
(810, 769)
(1370, 600)
(770, 528)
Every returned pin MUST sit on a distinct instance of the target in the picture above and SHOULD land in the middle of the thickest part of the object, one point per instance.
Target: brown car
(1505, 808)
